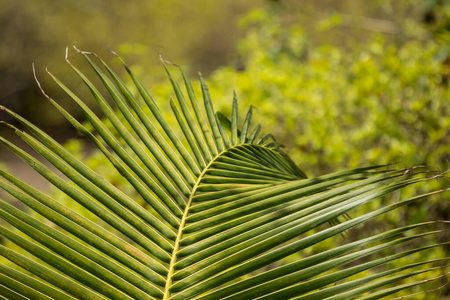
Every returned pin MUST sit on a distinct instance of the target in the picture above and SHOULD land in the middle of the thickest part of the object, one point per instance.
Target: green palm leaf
(228, 210)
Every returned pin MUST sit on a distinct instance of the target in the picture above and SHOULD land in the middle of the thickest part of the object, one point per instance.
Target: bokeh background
(340, 84)
(318, 70)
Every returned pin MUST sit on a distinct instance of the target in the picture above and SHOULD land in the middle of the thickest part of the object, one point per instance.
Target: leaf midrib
(173, 259)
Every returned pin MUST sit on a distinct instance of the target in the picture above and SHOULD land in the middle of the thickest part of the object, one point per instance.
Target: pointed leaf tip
(66, 57)
(76, 49)
(112, 52)
(84, 52)
(48, 72)
(37, 81)
(165, 61)
(10, 126)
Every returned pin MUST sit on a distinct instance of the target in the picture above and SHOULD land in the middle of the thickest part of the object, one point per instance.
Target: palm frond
(228, 209)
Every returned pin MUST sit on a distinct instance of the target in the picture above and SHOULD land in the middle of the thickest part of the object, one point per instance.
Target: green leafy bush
(345, 107)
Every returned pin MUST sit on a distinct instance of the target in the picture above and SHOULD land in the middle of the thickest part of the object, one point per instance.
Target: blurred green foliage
(335, 107)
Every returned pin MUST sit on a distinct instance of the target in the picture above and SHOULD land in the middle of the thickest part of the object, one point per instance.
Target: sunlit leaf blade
(162, 181)
(102, 197)
(121, 169)
(77, 253)
(188, 135)
(246, 126)
(334, 292)
(157, 114)
(237, 256)
(92, 177)
(265, 140)
(270, 288)
(199, 114)
(84, 200)
(224, 133)
(234, 120)
(226, 123)
(254, 134)
(293, 211)
(18, 280)
(14, 285)
(151, 129)
(211, 116)
(86, 230)
(7, 286)
(309, 262)
(138, 129)
(189, 120)
(397, 288)
(67, 284)
(109, 138)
